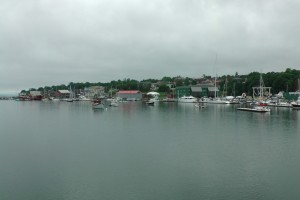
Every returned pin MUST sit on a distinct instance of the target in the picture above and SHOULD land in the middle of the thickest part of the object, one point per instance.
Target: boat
(97, 104)
(83, 98)
(114, 103)
(296, 104)
(280, 103)
(150, 103)
(261, 109)
(187, 99)
(218, 101)
(70, 99)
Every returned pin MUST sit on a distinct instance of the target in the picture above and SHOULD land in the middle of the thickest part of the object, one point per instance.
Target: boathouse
(63, 94)
(130, 95)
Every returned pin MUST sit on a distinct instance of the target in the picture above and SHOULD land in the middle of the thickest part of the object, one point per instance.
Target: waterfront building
(133, 95)
(35, 95)
(183, 91)
(63, 94)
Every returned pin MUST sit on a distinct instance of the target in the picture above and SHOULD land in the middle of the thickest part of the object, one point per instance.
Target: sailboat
(216, 99)
(296, 104)
(70, 99)
(262, 106)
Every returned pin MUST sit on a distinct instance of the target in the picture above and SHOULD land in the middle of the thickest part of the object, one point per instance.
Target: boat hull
(189, 99)
(261, 110)
(98, 106)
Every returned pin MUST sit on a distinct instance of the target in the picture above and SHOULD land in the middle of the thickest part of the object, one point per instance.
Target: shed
(63, 94)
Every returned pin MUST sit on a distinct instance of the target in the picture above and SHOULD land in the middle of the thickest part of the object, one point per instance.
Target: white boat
(114, 103)
(150, 103)
(70, 99)
(218, 101)
(98, 106)
(261, 109)
(280, 104)
(83, 98)
(187, 99)
(296, 104)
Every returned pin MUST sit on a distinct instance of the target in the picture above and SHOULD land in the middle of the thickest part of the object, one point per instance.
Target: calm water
(67, 151)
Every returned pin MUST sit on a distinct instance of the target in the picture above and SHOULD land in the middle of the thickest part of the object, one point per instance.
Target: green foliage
(167, 79)
(236, 84)
(163, 88)
(179, 82)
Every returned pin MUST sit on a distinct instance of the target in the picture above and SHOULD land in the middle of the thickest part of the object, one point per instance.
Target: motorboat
(150, 103)
(261, 109)
(97, 104)
(296, 104)
(218, 101)
(187, 99)
(114, 103)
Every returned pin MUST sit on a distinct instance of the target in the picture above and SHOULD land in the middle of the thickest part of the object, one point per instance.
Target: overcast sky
(49, 42)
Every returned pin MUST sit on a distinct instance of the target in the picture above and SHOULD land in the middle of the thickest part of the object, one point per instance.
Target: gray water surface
(68, 151)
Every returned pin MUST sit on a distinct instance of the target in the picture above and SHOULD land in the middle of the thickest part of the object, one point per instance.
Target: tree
(186, 81)
(179, 82)
(163, 88)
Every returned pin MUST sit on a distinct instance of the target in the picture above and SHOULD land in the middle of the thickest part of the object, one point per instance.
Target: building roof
(196, 89)
(64, 91)
(129, 92)
(212, 89)
(205, 85)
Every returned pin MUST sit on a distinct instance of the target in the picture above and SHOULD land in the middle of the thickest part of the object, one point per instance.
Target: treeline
(229, 84)
(286, 81)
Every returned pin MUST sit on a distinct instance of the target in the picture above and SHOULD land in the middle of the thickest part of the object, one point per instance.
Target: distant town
(286, 82)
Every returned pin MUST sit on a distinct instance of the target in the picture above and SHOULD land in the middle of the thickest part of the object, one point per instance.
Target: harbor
(134, 150)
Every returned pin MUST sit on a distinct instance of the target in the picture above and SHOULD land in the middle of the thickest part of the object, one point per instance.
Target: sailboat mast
(216, 86)
(260, 87)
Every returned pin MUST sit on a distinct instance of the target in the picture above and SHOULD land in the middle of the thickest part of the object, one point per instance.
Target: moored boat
(218, 101)
(261, 109)
(97, 104)
(296, 104)
(150, 103)
(187, 99)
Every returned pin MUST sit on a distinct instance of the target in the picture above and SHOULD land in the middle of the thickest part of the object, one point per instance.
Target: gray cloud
(46, 42)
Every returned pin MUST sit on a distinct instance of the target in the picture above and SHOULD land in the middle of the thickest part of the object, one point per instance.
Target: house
(63, 94)
(130, 95)
(35, 95)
